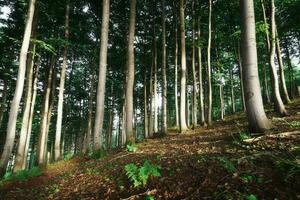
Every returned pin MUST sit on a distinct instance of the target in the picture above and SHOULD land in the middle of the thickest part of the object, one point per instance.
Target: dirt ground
(221, 162)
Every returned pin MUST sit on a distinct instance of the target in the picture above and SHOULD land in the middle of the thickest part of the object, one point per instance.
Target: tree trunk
(201, 97)
(241, 77)
(285, 93)
(291, 72)
(25, 120)
(258, 121)
(42, 142)
(87, 138)
(232, 91)
(34, 93)
(14, 108)
(164, 72)
(3, 102)
(268, 50)
(209, 112)
(155, 106)
(146, 101)
(221, 89)
(183, 125)
(57, 155)
(194, 106)
(130, 71)
(98, 126)
(176, 70)
(279, 106)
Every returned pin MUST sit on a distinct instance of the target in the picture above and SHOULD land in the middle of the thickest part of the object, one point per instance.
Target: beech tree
(14, 108)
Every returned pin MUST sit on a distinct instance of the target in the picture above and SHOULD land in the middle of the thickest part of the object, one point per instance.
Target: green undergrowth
(22, 175)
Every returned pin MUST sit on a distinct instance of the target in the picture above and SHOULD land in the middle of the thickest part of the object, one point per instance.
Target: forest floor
(222, 162)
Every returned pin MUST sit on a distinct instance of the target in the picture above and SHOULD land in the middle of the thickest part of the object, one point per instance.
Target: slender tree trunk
(176, 71)
(194, 106)
(87, 138)
(34, 93)
(279, 106)
(267, 36)
(155, 106)
(57, 155)
(110, 129)
(151, 94)
(232, 91)
(291, 72)
(241, 77)
(98, 126)
(285, 93)
(130, 71)
(183, 125)
(146, 101)
(221, 89)
(25, 120)
(209, 112)
(14, 108)
(164, 72)
(201, 97)
(258, 121)
(3, 102)
(42, 141)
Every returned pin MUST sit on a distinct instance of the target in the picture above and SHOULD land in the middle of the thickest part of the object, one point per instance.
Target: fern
(140, 175)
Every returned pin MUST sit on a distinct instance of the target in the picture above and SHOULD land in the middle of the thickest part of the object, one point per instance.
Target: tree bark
(146, 101)
(3, 101)
(183, 125)
(232, 91)
(267, 36)
(130, 71)
(176, 69)
(241, 77)
(201, 97)
(98, 126)
(42, 141)
(14, 108)
(258, 121)
(194, 106)
(209, 112)
(285, 93)
(57, 155)
(34, 94)
(25, 120)
(164, 72)
(279, 106)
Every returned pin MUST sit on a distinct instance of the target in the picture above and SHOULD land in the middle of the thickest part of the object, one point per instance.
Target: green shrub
(228, 164)
(140, 175)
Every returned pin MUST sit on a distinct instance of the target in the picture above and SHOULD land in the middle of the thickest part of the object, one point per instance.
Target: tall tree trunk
(14, 108)
(57, 155)
(110, 128)
(183, 125)
(221, 89)
(258, 121)
(155, 106)
(279, 106)
(146, 101)
(291, 72)
(164, 72)
(232, 91)
(31, 115)
(285, 93)
(130, 71)
(98, 126)
(3, 101)
(42, 141)
(241, 77)
(28, 98)
(194, 106)
(209, 112)
(176, 69)
(267, 39)
(87, 138)
(201, 97)
(151, 94)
